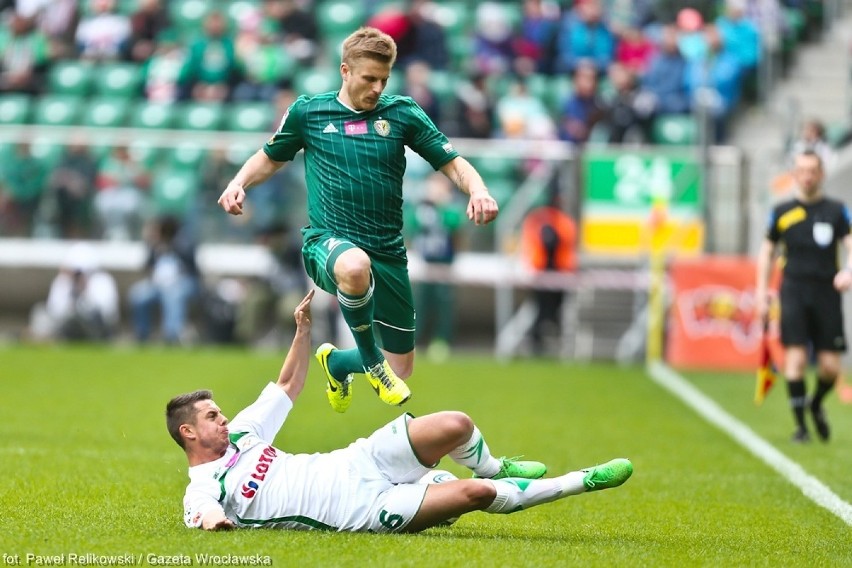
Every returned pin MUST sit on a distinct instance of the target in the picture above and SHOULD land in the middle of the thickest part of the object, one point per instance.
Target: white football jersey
(258, 485)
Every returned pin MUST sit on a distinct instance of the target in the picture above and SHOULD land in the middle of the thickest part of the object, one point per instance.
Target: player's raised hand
(302, 312)
(482, 208)
(232, 199)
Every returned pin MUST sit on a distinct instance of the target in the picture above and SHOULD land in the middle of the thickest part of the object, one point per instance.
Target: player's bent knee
(457, 425)
(352, 270)
(480, 493)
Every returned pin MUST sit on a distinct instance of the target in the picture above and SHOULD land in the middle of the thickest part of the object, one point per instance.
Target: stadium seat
(496, 168)
(106, 111)
(314, 81)
(559, 90)
(250, 117)
(187, 15)
(200, 116)
(186, 156)
(237, 10)
(454, 17)
(70, 78)
(174, 191)
(15, 109)
(443, 84)
(119, 80)
(144, 153)
(339, 17)
(674, 129)
(152, 115)
(47, 151)
(58, 110)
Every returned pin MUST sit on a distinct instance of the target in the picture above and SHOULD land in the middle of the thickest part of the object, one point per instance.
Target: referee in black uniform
(810, 228)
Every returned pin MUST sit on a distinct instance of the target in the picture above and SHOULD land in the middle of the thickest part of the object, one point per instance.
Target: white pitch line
(812, 487)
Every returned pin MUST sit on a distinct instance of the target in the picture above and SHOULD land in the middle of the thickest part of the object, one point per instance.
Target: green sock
(341, 362)
(358, 313)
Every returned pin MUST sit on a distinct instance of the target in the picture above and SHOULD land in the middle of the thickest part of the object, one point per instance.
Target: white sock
(474, 454)
(515, 494)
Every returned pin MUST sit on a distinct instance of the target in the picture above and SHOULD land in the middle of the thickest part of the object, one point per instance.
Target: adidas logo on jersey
(329, 129)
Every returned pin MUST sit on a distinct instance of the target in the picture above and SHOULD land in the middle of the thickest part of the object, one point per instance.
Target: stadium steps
(816, 86)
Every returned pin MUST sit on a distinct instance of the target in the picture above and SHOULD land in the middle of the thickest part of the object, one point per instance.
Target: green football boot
(610, 474)
(512, 467)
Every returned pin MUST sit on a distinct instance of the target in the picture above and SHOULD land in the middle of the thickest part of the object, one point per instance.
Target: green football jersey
(354, 163)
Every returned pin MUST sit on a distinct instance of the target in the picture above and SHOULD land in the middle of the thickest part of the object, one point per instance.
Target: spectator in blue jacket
(664, 82)
(739, 35)
(583, 34)
(715, 82)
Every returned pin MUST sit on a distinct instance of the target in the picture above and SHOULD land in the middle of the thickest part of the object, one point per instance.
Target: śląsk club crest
(382, 127)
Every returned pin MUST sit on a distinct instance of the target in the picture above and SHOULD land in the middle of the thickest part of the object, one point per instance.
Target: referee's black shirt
(810, 234)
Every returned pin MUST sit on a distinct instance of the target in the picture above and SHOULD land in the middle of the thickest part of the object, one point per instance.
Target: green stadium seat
(174, 191)
(395, 83)
(58, 110)
(237, 154)
(559, 90)
(15, 109)
(200, 116)
(538, 85)
(454, 17)
(153, 115)
(144, 152)
(236, 10)
(461, 52)
(119, 80)
(47, 151)
(70, 78)
(250, 117)
(674, 129)
(186, 156)
(188, 15)
(496, 168)
(314, 81)
(443, 84)
(338, 17)
(106, 111)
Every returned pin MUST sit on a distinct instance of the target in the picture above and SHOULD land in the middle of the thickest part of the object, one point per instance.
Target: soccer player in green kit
(354, 142)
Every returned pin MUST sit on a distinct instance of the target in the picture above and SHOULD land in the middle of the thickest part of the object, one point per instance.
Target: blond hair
(369, 43)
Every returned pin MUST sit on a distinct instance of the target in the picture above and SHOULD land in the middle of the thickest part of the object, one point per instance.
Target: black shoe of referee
(823, 431)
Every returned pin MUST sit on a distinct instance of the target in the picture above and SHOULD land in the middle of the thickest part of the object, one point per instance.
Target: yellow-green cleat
(339, 393)
(610, 474)
(390, 388)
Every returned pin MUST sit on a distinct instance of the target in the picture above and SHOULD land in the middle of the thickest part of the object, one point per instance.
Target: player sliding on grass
(354, 142)
(238, 479)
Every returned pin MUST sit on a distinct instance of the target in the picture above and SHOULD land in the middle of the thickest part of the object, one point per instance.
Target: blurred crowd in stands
(609, 71)
(578, 71)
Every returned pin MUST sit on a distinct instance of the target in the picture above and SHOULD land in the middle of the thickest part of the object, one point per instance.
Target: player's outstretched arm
(291, 379)
(481, 208)
(216, 520)
(257, 169)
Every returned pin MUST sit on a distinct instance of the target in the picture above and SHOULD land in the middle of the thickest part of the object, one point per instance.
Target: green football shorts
(393, 300)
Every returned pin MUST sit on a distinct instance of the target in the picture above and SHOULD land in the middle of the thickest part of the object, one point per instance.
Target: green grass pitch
(89, 468)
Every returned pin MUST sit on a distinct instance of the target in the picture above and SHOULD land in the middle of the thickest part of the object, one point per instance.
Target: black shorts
(812, 314)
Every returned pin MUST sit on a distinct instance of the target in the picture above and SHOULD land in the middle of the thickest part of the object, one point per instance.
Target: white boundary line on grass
(812, 487)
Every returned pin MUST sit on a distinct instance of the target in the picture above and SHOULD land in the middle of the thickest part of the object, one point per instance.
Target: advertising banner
(712, 322)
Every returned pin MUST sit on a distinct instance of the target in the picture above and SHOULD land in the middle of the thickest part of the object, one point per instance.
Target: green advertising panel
(633, 198)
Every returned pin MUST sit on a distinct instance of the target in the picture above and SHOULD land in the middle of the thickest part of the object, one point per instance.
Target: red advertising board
(712, 322)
